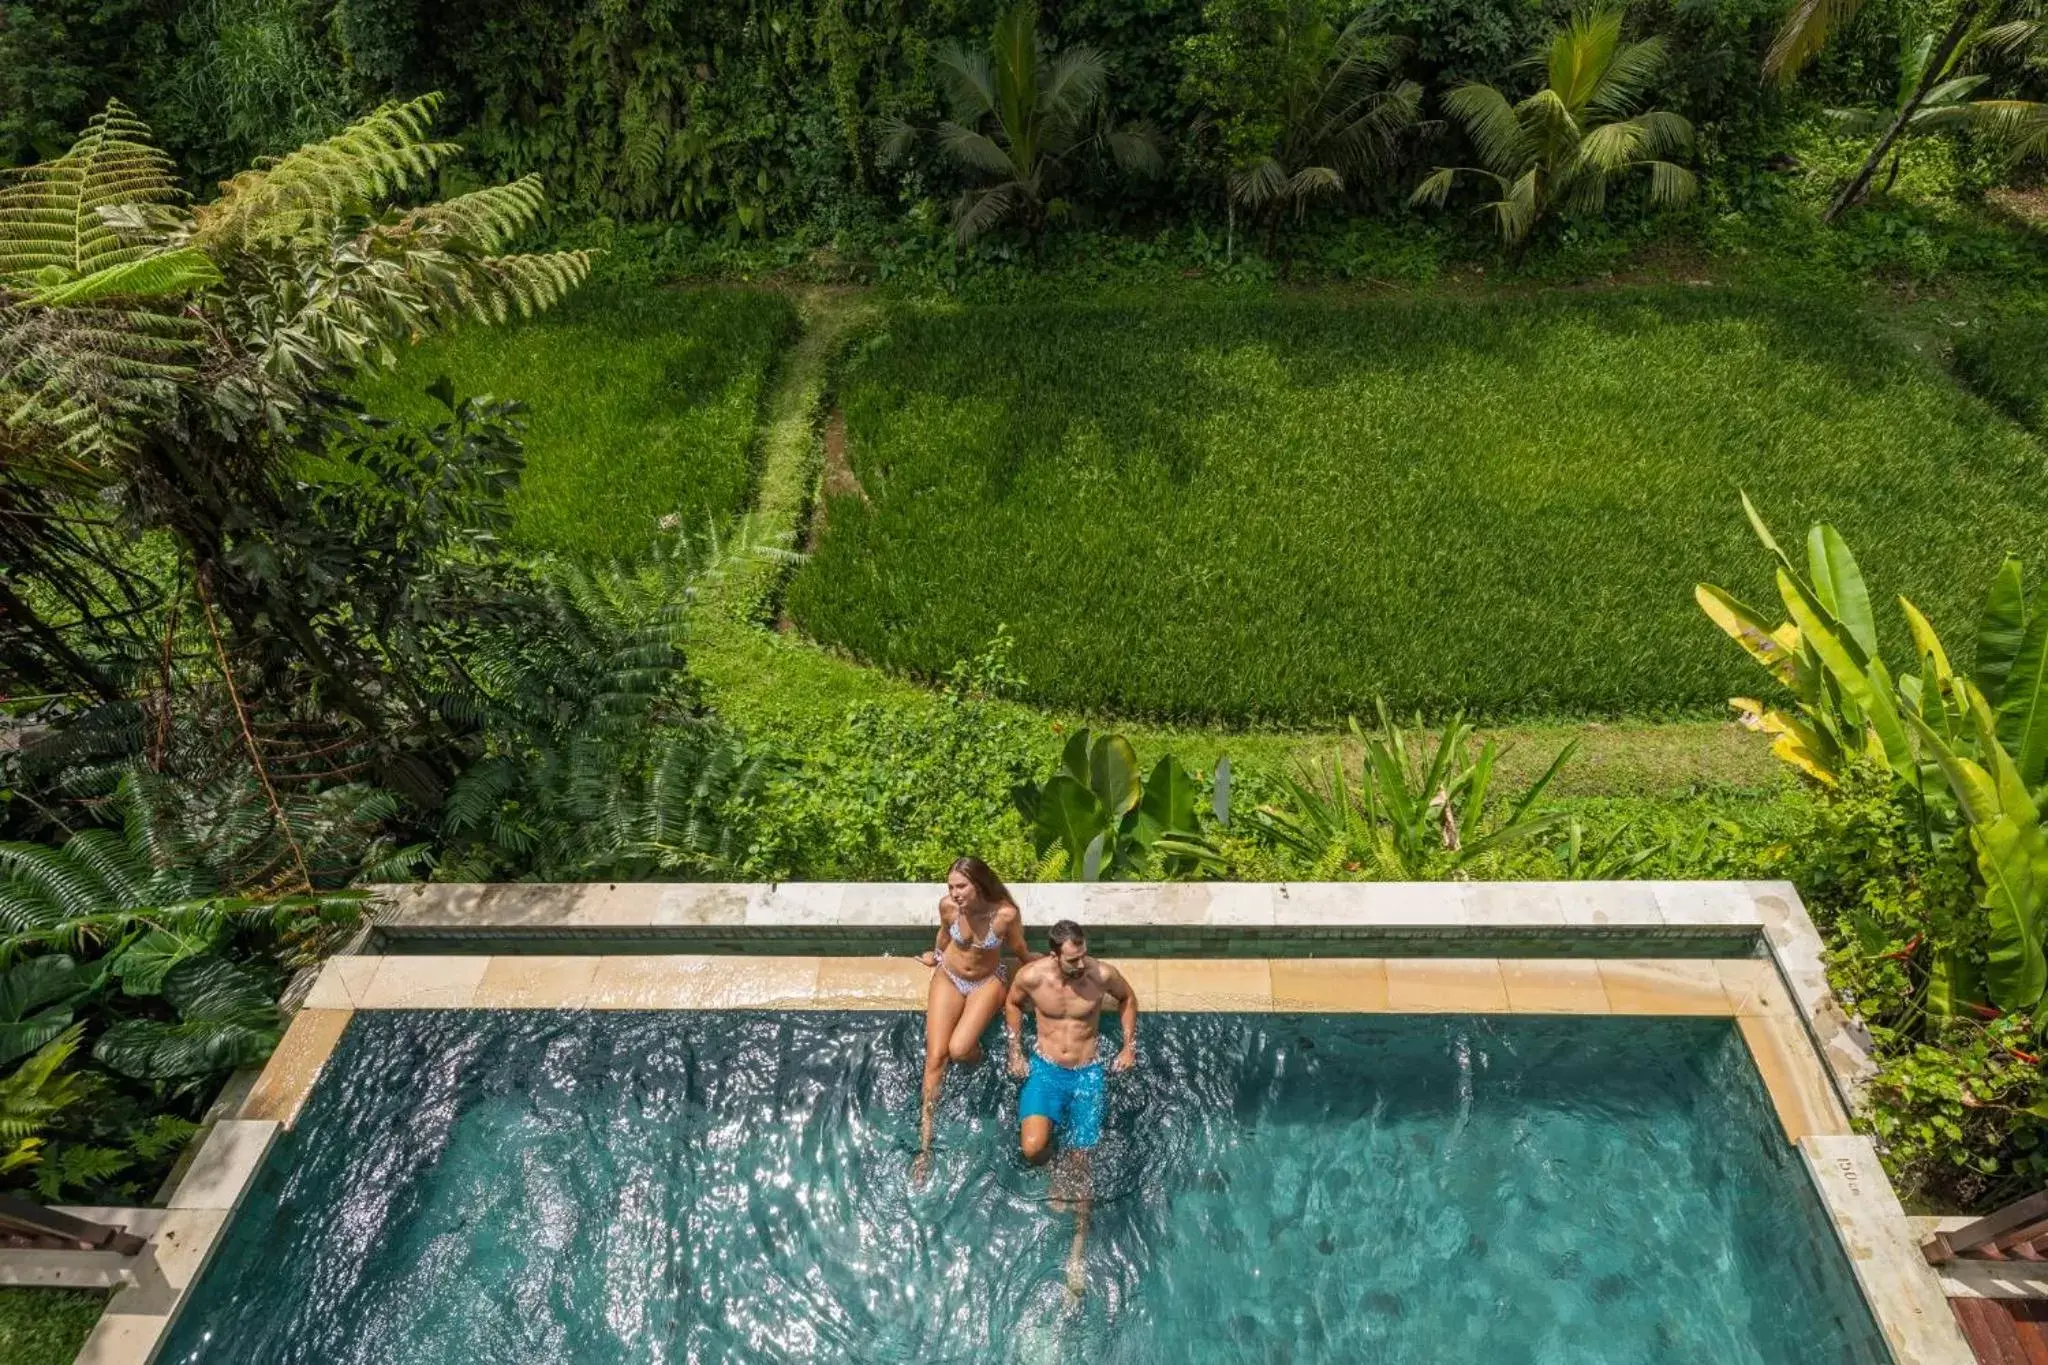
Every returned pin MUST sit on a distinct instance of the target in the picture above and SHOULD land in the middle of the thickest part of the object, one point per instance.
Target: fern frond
(52, 216)
(307, 191)
(487, 219)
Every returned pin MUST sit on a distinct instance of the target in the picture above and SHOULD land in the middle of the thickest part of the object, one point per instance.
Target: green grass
(46, 1326)
(642, 405)
(2006, 360)
(1274, 510)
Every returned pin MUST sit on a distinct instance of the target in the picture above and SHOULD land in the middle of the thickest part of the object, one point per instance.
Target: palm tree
(1338, 118)
(1039, 107)
(1558, 148)
(2010, 24)
(1947, 104)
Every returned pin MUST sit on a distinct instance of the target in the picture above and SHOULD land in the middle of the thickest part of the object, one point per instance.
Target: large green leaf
(151, 1050)
(2012, 859)
(1070, 816)
(2023, 706)
(1975, 793)
(1841, 588)
(1171, 795)
(226, 1019)
(1870, 690)
(1999, 630)
(1113, 774)
(1742, 624)
(35, 1003)
(143, 964)
(1074, 758)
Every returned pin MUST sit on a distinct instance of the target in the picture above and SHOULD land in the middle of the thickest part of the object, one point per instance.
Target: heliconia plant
(1969, 750)
(1095, 819)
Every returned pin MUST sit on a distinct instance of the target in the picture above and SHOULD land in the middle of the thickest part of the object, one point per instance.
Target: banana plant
(1970, 750)
(1094, 819)
(1418, 813)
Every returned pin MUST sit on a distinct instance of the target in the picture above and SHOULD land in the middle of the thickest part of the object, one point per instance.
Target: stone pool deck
(1741, 951)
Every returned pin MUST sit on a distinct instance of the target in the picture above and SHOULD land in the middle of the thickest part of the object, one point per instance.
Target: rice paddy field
(1275, 510)
(641, 405)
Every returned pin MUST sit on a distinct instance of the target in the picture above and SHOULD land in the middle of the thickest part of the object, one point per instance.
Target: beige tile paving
(1143, 975)
(123, 1339)
(424, 983)
(226, 1163)
(704, 983)
(1341, 985)
(535, 983)
(343, 982)
(1663, 986)
(1213, 984)
(280, 1092)
(1753, 986)
(1445, 985)
(872, 983)
(1805, 1102)
(1548, 986)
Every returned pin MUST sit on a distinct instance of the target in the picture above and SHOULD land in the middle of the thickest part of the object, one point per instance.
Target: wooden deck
(2005, 1331)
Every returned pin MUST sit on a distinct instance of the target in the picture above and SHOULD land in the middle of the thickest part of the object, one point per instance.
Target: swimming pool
(560, 1186)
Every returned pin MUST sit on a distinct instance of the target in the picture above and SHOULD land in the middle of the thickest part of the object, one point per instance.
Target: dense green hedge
(1276, 510)
(758, 115)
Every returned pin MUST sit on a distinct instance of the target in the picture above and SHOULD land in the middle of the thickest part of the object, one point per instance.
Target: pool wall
(1744, 951)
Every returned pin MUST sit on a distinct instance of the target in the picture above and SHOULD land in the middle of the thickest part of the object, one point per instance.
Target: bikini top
(990, 942)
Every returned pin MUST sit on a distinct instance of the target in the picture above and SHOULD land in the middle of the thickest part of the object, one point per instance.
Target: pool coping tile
(1213, 984)
(420, 983)
(288, 1077)
(872, 983)
(668, 981)
(1446, 985)
(1792, 1074)
(1553, 986)
(1329, 985)
(1903, 1291)
(535, 982)
(1663, 986)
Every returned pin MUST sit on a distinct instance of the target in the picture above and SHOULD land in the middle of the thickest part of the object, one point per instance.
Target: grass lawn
(46, 1326)
(1273, 510)
(642, 404)
(2006, 360)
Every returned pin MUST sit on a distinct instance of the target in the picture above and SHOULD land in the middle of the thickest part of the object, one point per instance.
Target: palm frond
(975, 150)
(1491, 123)
(1803, 32)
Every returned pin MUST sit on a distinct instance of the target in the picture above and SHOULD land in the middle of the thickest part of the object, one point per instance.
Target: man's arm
(1119, 989)
(1013, 1022)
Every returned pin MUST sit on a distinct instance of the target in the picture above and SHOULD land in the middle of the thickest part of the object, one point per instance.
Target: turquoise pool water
(498, 1187)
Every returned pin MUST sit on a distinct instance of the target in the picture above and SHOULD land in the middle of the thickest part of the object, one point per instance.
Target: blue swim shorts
(1071, 1096)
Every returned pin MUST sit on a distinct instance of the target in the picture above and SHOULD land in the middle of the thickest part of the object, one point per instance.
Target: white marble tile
(1903, 1291)
(219, 1176)
(1354, 904)
(1609, 903)
(1248, 905)
(1704, 903)
(880, 904)
(815, 904)
(708, 903)
(1514, 905)
(1141, 904)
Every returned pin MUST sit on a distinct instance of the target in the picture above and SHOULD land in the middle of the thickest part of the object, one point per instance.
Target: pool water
(499, 1187)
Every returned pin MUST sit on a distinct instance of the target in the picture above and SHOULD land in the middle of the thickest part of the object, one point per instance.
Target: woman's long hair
(984, 878)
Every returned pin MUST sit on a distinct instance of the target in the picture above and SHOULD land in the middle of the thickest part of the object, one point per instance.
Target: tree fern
(52, 223)
(305, 192)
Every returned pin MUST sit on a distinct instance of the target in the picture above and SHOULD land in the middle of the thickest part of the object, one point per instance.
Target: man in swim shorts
(1064, 1087)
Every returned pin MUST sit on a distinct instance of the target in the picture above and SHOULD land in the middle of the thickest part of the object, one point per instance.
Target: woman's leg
(977, 1012)
(943, 1007)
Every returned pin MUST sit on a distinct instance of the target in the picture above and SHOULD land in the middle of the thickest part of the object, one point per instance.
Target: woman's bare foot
(920, 1170)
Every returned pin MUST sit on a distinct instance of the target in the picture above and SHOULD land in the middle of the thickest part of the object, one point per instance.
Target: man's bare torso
(1070, 1011)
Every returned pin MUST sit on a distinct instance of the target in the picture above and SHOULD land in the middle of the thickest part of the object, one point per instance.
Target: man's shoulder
(1033, 972)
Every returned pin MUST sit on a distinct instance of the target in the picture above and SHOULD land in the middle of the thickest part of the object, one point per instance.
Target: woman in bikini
(978, 920)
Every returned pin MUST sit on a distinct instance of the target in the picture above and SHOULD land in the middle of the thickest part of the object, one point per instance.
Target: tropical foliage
(1558, 149)
(1416, 812)
(1098, 817)
(1021, 111)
